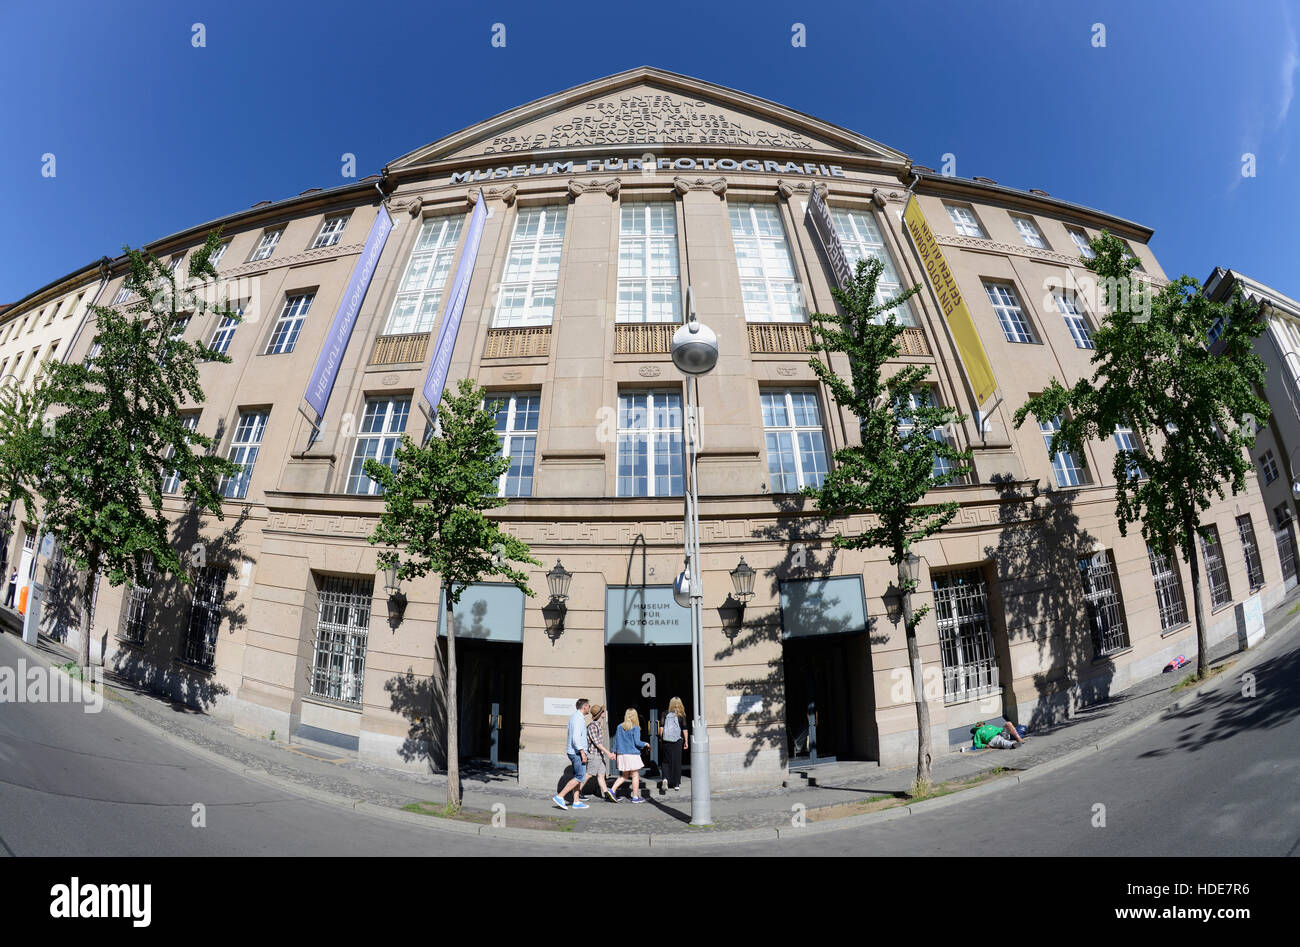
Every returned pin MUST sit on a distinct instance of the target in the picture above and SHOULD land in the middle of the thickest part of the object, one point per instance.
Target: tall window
(970, 666)
(1075, 321)
(380, 436)
(420, 294)
(1006, 305)
(796, 445)
(1250, 550)
(137, 606)
(205, 617)
(649, 444)
(243, 451)
(218, 253)
(342, 628)
(527, 296)
(1284, 536)
(266, 246)
(1132, 253)
(649, 289)
(1081, 241)
(517, 416)
(122, 294)
(1029, 232)
(923, 398)
(284, 336)
(965, 221)
(331, 231)
(767, 280)
(1066, 465)
(1127, 441)
(1216, 572)
(862, 241)
(1169, 589)
(172, 480)
(225, 331)
(1268, 466)
(1105, 607)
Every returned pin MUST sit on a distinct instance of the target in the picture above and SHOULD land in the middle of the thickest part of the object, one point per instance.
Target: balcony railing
(396, 349)
(518, 343)
(912, 342)
(769, 337)
(643, 338)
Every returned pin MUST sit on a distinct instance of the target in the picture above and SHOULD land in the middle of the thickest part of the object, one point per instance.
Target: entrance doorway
(646, 677)
(827, 693)
(489, 678)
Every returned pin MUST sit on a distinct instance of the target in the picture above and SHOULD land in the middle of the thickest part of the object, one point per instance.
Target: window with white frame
(175, 263)
(342, 630)
(1105, 606)
(205, 617)
(649, 287)
(1075, 321)
(1006, 305)
(1066, 465)
(266, 246)
(1216, 570)
(1170, 602)
(1029, 232)
(179, 326)
(224, 334)
(380, 435)
(964, 220)
(123, 293)
(1250, 551)
(1126, 440)
(218, 253)
(1081, 242)
(331, 231)
(1268, 466)
(532, 272)
(284, 335)
(767, 279)
(795, 441)
(171, 481)
(970, 665)
(1131, 252)
(924, 398)
(649, 443)
(861, 239)
(517, 415)
(419, 295)
(243, 451)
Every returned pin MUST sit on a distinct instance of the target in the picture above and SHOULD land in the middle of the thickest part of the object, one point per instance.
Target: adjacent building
(602, 204)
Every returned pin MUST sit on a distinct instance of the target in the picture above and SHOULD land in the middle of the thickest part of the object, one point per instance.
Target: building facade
(603, 203)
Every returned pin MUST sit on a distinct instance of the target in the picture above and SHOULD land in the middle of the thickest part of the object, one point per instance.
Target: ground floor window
(1105, 607)
(1284, 536)
(137, 605)
(1169, 589)
(1216, 572)
(205, 617)
(342, 629)
(1250, 549)
(970, 666)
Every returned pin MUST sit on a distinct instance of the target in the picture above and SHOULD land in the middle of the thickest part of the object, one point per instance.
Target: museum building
(546, 253)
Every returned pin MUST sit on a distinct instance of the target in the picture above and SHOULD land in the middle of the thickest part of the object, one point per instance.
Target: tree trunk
(1201, 669)
(87, 597)
(453, 731)
(924, 754)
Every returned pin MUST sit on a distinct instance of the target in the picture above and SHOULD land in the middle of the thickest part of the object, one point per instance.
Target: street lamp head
(695, 348)
(742, 581)
(392, 584)
(558, 580)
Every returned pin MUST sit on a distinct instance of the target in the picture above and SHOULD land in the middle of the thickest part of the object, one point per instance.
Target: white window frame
(224, 333)
(218, 253)
(532, 287)
(338, 667)
(640, 247)
(331, 230)
(965, 221)
(515, 440)
(287, 328)
(171, 481)
(1075, 320)
(266, 246)
(1080, 238)
(244, 448)
(862, 239)
(1126, 439)
(419, 294)
(765, 249)
(1010, 312)
(1268, 466)
(1067, 469)
(814, 432)
(1171, 603)
(926, 396)
(123, 294)
(383, 422)
(660, 442)
(1030, 235)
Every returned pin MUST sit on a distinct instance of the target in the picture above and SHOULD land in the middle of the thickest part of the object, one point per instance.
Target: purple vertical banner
(336, 342)
(436, 380)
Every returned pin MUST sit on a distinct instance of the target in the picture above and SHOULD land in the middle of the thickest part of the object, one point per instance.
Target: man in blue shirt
(576, 749)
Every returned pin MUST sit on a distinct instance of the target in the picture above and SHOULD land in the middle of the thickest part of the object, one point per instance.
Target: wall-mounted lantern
(553, 612)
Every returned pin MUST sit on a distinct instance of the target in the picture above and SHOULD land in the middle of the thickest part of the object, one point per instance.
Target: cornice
(980, 245)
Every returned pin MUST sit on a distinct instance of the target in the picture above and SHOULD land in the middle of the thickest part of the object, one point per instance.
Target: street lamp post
(695, 352)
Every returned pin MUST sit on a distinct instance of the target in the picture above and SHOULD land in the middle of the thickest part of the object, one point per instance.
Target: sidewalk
(316, 769)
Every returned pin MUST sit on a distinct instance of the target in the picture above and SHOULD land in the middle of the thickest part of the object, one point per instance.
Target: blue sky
(151, 135)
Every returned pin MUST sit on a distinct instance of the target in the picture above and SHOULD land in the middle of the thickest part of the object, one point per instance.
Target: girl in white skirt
(627, 752)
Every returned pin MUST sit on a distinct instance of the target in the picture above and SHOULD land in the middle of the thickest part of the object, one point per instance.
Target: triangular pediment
(644, 108)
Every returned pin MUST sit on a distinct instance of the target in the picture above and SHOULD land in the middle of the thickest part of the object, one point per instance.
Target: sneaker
(677, 789)
(663, 785)
(580, 805)
(637, 799)
(610, 796)
(559, 801)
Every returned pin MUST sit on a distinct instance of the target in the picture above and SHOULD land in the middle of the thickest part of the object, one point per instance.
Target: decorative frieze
(505, 194)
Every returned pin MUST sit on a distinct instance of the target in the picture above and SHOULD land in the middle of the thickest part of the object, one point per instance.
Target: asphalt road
(1220, 778)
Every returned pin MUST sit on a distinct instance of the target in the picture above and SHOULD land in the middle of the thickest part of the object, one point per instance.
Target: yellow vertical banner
(969, 347)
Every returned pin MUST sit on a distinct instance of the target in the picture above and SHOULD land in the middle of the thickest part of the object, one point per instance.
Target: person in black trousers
(13, 587)
(673, 739)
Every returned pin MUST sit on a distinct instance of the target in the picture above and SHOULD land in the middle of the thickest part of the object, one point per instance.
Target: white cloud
(1290, 66)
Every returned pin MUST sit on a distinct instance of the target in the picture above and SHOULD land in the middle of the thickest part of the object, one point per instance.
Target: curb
(707, 837)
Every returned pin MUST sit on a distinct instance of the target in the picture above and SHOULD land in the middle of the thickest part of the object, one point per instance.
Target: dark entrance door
(488, 683)
(627, 684)
(819, 706)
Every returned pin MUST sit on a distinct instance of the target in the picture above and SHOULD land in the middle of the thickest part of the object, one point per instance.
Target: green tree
(119, 428)
(1155, 373)
(434, 499)
(903, 455)
(23, 445)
